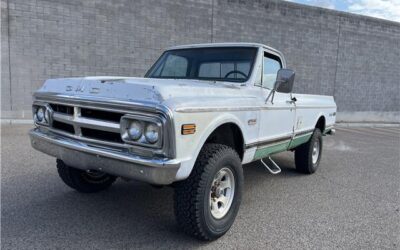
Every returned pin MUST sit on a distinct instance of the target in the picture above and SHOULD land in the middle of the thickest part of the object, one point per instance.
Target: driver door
(277, 117)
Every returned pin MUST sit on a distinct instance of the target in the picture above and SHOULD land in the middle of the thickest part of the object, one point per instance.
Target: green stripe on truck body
(301, 139)
(265, 151)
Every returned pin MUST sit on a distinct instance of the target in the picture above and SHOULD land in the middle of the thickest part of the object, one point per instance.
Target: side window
(271, 66)
(175, 66)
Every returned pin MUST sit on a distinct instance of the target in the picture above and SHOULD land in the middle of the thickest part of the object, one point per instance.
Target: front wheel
(207, 202)
(308, 156)
(84, 181)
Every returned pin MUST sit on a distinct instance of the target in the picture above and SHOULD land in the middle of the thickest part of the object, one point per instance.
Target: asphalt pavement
(352, 202)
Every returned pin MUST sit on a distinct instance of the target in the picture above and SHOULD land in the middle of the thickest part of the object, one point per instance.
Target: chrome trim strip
(276, 140)
(216, 109)
(301, 135)
(304, 132)
(273, 143)
(245, 108)
(317, 107)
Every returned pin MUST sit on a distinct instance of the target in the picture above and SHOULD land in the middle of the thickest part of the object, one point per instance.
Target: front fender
(205, 128)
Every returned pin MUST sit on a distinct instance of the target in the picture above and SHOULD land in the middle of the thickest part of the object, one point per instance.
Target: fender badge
(252, 122)
(94, 90)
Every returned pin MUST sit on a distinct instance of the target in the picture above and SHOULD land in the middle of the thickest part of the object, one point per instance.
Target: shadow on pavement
(123, 216)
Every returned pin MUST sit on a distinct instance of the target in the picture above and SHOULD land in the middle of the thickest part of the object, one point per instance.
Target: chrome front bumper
(83, 156)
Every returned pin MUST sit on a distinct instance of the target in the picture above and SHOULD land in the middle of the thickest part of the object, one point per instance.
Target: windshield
(218, 64)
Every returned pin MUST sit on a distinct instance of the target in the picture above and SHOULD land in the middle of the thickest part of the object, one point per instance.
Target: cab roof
(230, 44)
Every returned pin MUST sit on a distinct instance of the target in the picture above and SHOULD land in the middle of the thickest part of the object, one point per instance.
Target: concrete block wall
(5, 59)
(354, 58)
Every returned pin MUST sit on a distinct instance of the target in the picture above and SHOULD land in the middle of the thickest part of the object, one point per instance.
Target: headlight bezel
(125, 122)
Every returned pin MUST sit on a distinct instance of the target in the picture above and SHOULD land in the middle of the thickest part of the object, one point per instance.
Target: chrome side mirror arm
(273, 90)
(272, 93)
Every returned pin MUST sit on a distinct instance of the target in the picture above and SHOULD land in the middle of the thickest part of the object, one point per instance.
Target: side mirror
(284, 81)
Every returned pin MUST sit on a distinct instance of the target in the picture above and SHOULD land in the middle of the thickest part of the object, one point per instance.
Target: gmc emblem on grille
(80, 89)
(94, 91)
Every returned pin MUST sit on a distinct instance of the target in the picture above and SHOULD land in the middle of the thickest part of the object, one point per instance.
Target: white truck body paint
(209, 104)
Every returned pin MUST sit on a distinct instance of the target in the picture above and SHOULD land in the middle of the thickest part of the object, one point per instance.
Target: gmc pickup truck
(198, 115)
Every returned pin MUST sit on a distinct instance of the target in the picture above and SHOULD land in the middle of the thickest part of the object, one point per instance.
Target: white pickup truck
(198, 115)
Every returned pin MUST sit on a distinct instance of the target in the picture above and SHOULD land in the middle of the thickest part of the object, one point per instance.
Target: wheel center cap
(218, 192)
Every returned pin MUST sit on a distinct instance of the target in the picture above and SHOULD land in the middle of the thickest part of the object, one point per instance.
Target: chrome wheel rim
(222, 192)
(315, 152)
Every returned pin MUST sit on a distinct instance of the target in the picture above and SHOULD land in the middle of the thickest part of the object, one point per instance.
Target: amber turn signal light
(188, 129)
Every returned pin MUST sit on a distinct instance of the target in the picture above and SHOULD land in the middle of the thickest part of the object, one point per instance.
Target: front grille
(94, 124)
(101, 115)
(64, 127)
(101, 135)
(64, 109)
(100, 126)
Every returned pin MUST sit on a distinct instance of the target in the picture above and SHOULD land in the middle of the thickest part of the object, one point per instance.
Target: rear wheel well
(228, 134)
(321, 124)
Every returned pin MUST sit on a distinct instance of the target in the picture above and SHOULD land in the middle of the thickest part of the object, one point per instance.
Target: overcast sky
(386, 9)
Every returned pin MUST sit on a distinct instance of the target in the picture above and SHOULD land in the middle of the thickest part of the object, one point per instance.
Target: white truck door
(277, 117)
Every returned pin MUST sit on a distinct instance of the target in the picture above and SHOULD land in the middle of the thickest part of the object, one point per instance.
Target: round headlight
(152, 133)
(135, 130)
(40, 114)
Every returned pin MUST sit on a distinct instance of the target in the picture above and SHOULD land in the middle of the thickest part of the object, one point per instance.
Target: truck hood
(175, 92)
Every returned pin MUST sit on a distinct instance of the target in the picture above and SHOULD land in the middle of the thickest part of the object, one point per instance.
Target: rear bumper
(83, 156)
(332, 131)
(329, 131)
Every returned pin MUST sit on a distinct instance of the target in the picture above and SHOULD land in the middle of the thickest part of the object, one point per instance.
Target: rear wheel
(207, 202)
(84, 181)
(308, 156)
